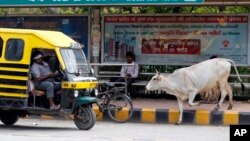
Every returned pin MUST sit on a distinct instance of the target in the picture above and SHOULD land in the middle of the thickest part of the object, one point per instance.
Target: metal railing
(116, 75)
(140, 84)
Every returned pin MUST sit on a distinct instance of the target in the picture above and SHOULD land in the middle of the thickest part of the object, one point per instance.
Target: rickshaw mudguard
(85, 100)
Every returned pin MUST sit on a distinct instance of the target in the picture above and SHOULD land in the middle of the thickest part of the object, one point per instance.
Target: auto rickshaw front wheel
(84, 117)
(8, 117)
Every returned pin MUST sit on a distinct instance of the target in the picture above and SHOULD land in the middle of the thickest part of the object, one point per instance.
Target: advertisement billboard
(175, 40)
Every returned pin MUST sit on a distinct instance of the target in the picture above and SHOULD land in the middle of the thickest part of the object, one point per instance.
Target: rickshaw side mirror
(92, 71)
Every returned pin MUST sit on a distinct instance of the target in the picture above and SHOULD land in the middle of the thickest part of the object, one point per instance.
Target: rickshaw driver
(44, 79)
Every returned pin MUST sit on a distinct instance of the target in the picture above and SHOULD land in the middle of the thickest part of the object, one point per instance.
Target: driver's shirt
(39, 70)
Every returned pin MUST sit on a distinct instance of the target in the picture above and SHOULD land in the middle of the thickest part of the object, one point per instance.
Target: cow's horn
(157, 72)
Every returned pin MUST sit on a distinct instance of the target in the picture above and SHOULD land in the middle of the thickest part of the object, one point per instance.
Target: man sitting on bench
(129, 72)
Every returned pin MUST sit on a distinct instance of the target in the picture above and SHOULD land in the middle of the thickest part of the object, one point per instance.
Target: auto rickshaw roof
(54, 38)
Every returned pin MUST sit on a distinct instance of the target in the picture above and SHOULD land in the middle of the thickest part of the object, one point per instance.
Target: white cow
(185, 83)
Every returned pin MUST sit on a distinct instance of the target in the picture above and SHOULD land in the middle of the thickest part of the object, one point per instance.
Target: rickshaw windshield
(75, 61)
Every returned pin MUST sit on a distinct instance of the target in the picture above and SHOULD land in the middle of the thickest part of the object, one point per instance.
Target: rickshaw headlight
(96, 92)
(76, 93)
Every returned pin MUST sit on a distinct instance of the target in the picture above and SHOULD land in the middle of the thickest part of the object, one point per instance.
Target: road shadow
(35, 127)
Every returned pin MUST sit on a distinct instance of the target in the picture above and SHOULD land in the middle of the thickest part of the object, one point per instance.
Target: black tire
(9, 117)
(84, 117)
(118, 103)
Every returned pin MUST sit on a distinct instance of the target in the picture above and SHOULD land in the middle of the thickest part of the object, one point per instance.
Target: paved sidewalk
(239, 106)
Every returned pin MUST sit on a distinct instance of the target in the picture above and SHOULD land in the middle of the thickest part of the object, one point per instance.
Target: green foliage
(113, 10)
(130, 10)
(44, 10)
(160, 68)
(237, 9)
(205, 10)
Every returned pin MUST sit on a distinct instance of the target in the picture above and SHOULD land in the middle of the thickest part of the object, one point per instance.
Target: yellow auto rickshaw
(17, 96)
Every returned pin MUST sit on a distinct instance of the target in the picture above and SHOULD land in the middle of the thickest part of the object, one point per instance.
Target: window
(14, 49)
(1, 47)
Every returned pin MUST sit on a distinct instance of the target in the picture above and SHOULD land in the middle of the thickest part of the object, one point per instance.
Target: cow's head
(155, 82)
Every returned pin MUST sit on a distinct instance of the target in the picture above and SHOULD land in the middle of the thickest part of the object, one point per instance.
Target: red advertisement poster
(171, 46)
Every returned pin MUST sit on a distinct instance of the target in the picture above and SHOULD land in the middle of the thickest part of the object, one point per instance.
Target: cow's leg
(230, 94)
(191, 100)
(224, 92)
(180, 103)
(217, 95)
(209, 96)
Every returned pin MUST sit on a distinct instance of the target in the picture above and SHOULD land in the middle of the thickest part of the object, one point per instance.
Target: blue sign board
(74, 26)
(6, 3)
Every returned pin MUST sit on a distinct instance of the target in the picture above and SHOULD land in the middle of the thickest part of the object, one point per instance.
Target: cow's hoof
(215, 109)
(178, 123)
(229, 107)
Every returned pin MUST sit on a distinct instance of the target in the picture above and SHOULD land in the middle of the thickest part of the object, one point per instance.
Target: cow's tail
(235, 68)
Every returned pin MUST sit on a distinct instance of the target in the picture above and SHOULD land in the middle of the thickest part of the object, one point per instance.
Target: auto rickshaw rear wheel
(9, 117)
(84, 117)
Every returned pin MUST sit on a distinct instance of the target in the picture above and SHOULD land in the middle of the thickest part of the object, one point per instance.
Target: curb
(196, 117)
(170, 116)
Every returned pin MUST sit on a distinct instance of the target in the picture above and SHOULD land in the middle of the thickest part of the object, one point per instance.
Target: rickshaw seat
(33, 91)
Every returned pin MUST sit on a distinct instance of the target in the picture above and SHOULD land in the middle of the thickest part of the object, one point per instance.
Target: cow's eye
(154, 79)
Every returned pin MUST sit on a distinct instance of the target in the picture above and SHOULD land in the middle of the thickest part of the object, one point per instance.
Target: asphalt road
(65, 130)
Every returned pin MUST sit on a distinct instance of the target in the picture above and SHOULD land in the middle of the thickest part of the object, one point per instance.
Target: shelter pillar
(96, 37)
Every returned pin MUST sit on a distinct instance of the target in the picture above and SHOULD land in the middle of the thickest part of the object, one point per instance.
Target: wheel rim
(120, 108)
(82, 115)
(84, 118)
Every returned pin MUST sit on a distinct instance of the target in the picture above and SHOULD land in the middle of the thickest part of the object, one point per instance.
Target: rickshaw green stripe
(13, 82)
(12, 90)
(22, 66)
(13, 73)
